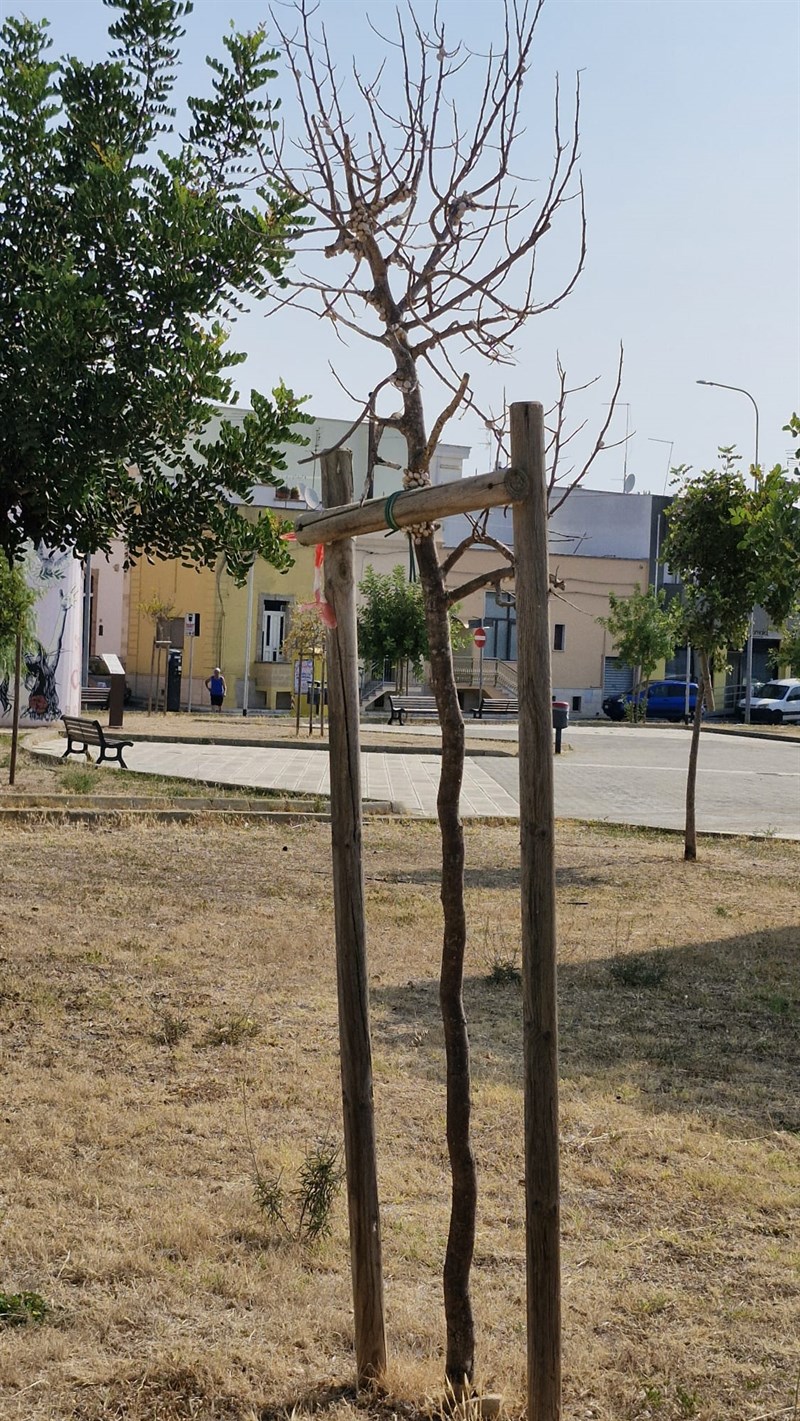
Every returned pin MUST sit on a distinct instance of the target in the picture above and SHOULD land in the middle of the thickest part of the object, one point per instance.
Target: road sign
(479, 637)
(191, 624)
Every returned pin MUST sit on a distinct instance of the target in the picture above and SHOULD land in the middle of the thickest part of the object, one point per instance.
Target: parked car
(665, 700)
(774, 702)
(99, 677)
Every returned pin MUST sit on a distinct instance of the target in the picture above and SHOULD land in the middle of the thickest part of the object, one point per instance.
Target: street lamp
(748, 694)
(739, 391)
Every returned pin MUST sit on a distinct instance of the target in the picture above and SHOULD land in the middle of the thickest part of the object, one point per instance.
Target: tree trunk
(690, 836)
(12, 767)
(460, 1355)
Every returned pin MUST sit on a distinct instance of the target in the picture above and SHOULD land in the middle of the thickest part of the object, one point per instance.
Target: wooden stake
(538, 921)
(12, 769)
(412, 506)
(351, 953)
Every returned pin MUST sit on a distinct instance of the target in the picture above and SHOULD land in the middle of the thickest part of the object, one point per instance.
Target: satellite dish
(311, 499)
(629, 483)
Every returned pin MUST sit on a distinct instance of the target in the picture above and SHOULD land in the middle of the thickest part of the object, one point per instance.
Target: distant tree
(734, 547)
(16, 627)
(123, 252)
(304, 639)
(644, 629)
(788, 653)
(391, 621)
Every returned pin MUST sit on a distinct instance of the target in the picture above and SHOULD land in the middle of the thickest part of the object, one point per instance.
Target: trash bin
(560, 720)
(174, 672)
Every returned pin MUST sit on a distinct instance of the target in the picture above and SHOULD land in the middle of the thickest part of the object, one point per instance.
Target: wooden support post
(537, 841)
(351, 953)
(412, 506)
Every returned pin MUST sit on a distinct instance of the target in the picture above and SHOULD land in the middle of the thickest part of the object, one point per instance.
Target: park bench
(83, 733)
(95, 696)
(493, 705)
(401, 706)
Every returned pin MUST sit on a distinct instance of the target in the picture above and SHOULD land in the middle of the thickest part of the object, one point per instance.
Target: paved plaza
(613, 774)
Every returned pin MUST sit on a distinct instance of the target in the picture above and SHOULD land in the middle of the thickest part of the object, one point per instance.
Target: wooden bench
(493, 705)
(83, 733)
(95, 696)
(401, 706)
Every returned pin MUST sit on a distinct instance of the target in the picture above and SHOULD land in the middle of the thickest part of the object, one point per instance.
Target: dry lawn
(168, 1019)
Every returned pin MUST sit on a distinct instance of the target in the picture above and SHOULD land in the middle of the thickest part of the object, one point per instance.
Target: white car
(774, 702)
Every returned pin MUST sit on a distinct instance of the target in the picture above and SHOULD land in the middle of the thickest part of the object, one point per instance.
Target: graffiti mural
(52, 661)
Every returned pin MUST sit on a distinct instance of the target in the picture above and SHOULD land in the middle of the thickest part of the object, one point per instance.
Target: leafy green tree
(734, 547)
(644, 629)
(788, 654)
(16, 627)
(391, 620)
(123, 252)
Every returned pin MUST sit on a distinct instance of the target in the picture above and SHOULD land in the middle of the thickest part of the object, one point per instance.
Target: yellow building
(242, 629)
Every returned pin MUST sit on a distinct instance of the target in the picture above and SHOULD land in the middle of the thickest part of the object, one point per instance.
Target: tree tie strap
(388, 512)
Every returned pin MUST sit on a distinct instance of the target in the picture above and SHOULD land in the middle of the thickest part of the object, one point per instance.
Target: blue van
(666, 700)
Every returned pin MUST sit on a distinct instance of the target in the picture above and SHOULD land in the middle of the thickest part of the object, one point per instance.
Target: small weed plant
(503, 962)
(505, 970)
(171, 1029)
(17, 1309)
(78, 781)
(232, 1030)
(638, 970)
(304, 1213)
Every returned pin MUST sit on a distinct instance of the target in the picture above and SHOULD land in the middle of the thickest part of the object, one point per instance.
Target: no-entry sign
(479, 637)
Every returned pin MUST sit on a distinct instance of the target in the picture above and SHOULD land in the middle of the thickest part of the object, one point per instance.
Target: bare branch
(483, 579)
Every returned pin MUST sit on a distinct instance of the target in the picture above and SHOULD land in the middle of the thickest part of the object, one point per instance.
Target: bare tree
(432, 241)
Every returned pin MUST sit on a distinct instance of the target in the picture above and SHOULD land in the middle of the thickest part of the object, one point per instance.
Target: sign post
(479, 638)
(191, 628)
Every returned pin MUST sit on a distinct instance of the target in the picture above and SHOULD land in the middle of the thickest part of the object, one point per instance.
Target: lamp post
(248, 636)
(748, 695)
(671, 443)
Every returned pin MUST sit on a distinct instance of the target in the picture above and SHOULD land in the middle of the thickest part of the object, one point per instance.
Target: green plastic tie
(388, 512)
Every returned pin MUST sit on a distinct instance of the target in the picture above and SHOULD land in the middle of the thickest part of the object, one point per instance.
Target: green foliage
(232, 1030)
(505, 970)
(16, 610)
(391, 620)
(734, 547)
(171, 1029)
(639, 970)
(123, 254)
(306, 634)
(76, 780)
(788, 654)
(644, 631)
(16, 1309)
(320, 1180)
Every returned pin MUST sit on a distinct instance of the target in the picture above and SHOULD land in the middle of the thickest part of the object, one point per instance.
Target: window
(576, 704)
(559, 637)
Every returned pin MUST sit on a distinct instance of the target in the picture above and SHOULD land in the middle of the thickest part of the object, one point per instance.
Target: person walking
(215, 685)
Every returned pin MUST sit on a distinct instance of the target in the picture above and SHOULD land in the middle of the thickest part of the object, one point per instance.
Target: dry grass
(127, 1184)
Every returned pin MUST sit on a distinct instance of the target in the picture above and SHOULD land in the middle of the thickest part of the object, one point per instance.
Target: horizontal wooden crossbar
(414, 505)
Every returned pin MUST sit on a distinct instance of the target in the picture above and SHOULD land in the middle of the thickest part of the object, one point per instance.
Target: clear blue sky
(691, 160)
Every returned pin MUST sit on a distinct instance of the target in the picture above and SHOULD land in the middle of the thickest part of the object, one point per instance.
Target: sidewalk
(744, 786)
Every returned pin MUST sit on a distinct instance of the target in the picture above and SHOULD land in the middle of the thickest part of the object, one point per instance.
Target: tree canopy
(644, 631)
(16, 605)
(391, 619)
(124, 252)
(735, 546)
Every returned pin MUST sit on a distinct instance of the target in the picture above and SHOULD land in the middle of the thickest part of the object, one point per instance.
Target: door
(273, 629)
